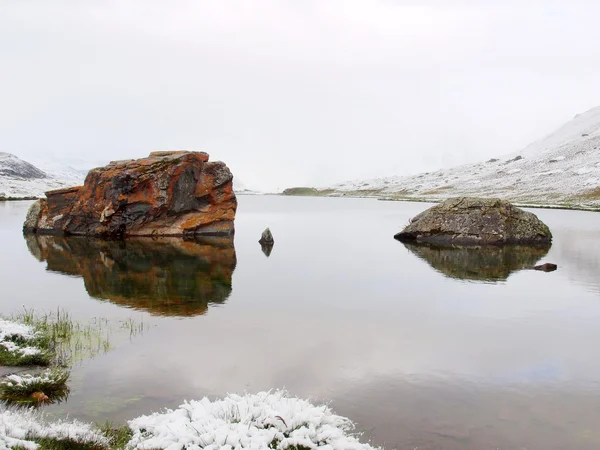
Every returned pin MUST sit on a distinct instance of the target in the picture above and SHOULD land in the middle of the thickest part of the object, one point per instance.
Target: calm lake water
(421, 348)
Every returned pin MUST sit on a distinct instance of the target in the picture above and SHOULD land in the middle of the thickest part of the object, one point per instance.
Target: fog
(293, 92)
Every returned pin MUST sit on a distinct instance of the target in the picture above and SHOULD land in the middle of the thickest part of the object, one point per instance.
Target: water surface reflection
(166, 276)
(486, 263)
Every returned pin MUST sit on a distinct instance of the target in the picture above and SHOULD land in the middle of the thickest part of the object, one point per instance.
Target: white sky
(293, 92)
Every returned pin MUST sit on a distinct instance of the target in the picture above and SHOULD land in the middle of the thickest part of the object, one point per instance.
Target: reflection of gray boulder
(482, 263)
(164, 276)
(476, 221)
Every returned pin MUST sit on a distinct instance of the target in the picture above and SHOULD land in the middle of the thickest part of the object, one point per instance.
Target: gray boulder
(33, 216)
(476, 221)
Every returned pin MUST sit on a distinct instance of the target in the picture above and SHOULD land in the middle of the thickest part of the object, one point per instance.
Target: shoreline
(18, 199)
(534, 205)
(570, 207)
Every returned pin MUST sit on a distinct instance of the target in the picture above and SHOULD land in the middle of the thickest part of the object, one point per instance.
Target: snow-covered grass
(257, 421)
(26, 429)
(267, 420)
(22, 344)
(562, 169)
(46, 387)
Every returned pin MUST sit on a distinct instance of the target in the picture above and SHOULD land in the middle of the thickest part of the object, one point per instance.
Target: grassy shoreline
(271, 419)
(313, 192)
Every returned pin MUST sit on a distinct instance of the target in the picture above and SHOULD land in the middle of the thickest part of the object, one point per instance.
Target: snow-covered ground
(21, 179)
(22, 428)
(263, 420)
(560, 169)
(252, 421)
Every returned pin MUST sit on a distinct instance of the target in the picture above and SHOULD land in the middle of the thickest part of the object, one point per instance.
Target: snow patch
(48, 376)
(21, 428)
(15, 336)
(583, 170)
(521, 176)
(14, 330)
(258, 421)
(549, 172)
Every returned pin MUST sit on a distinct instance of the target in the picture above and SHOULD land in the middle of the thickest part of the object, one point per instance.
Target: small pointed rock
(266, 238)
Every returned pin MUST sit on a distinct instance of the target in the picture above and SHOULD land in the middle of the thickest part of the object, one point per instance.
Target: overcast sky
(293, 92)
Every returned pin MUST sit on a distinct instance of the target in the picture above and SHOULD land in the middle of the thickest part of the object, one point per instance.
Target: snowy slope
(241, 189)
(560, 169)
(11, 166)
(20, 179)
(62, 172)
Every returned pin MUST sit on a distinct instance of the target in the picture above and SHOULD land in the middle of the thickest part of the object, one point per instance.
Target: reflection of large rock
(165, 276)
(484, 263)
(175, 193)
(476, 221)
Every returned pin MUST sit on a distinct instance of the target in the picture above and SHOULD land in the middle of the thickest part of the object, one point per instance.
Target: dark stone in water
(266, 238)
(490, 263)
(266, 242)
(546, 267)
(164, 276)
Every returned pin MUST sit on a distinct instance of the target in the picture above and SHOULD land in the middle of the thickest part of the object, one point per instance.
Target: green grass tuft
(66, 444)
(12, 359)
(51, 384)
(118, 436)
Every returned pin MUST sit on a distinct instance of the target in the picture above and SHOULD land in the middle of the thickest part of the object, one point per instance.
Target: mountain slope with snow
(11, 166)
(562, 169)
(21, 179)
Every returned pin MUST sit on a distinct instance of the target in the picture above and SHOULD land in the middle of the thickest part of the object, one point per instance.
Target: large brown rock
(476, 221)
(174, 193)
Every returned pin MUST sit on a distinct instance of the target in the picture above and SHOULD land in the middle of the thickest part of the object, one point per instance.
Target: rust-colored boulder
(172, 193)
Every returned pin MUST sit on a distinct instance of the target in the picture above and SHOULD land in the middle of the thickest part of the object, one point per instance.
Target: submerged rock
(173, 193)
(164, 276)
(490, 263)
(476, 221)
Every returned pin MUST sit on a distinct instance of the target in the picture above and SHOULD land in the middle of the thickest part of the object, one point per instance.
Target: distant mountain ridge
(562, 169)
(20, 179)
(11, 166)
